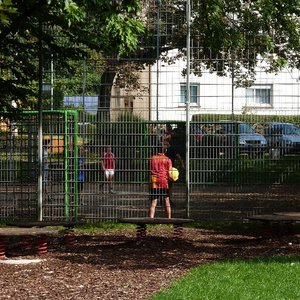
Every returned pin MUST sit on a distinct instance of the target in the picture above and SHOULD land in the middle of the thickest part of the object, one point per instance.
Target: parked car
(282, 136)
(250, 142)
(228, 137)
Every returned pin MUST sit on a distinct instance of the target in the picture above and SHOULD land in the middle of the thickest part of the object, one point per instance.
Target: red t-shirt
(160, 166)
(108, 160)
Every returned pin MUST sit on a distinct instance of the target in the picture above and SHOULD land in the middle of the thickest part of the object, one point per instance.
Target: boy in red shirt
(160, 165)
(109, 165)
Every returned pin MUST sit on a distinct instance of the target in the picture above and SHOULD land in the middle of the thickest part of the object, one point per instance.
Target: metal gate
(20, 168)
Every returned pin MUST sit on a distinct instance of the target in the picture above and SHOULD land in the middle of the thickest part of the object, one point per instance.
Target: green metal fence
(20, 167)
(127, 101)
(229, 163)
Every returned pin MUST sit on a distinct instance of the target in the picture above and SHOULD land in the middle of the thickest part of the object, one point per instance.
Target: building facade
(270, 94)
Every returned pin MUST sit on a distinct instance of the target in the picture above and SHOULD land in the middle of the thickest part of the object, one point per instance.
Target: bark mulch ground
(112, 265)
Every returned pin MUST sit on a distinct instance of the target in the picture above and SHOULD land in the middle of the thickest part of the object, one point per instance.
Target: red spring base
(141, 232)
(2, 248)
(26, 242)
(42, 246)
(70, 239)
(178, 232)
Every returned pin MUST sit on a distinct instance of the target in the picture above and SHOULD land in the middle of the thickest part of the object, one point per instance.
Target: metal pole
(66, 166)
(40, 129)
(187, 102)
(157, 58)
(75, 162)
(84, 85)
(51, 81)
(232, 84)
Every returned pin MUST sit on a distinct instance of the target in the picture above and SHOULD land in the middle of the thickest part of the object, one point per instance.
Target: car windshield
(287, 129)
(246, 128)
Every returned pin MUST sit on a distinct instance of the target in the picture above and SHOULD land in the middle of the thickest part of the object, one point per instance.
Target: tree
(67, 30)
(226, 37)
(233, 34)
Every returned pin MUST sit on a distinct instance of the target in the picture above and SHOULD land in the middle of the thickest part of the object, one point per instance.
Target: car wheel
(275, 153)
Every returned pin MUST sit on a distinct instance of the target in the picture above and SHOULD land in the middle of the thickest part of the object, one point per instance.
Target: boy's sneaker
(112, 192)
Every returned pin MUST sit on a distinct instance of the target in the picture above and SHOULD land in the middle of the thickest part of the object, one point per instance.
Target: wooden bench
(279, 223)
(41, 229)
(41, 224)
(26, 234)
(142, 223)
(292, 214)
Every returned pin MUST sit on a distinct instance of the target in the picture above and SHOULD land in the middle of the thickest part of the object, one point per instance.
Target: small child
(45, 164)
(81, 173)
(109, 165)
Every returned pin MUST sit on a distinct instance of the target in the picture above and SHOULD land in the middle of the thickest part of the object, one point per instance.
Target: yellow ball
(174, 174)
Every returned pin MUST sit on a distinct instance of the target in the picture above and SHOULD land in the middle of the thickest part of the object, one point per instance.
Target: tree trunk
(103, 111)
(107, 80)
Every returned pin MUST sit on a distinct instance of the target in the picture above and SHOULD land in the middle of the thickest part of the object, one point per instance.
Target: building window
(194, 93)
(259, 95)
(128, 103)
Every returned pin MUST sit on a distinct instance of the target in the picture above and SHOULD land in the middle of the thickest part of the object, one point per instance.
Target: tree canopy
(234, 34)
(227, 37)
(124, 35)
(67, 30)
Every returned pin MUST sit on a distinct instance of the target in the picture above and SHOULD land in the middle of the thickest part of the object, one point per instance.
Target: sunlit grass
(275, 278)
(103, 226)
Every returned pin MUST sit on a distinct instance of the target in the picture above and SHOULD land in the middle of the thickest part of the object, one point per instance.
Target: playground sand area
(114, 265)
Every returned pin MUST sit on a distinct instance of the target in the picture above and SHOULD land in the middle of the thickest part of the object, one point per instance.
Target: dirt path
(111, 265)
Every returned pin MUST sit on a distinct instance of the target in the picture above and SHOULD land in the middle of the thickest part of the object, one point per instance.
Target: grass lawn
(275, 278)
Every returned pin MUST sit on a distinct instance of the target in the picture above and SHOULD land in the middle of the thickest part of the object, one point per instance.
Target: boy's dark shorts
(159, 193)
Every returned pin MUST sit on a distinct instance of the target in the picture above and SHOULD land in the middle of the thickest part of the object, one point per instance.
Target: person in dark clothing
(174, 155)
(81, 173)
